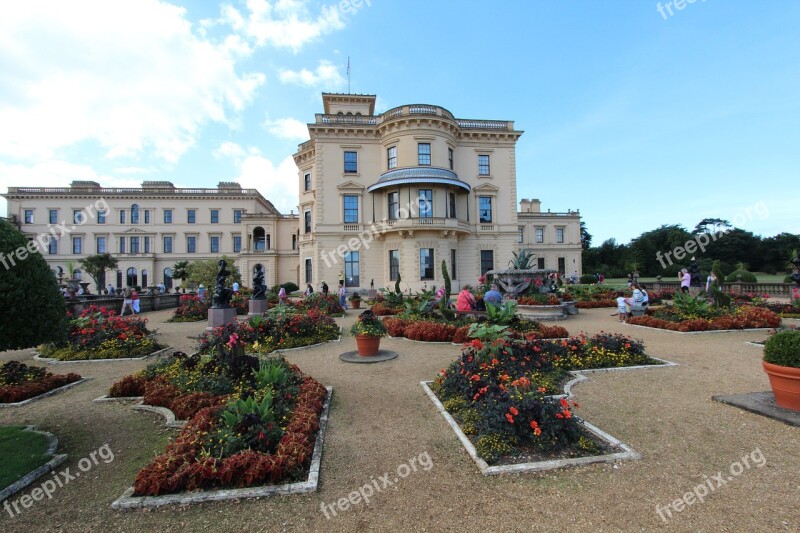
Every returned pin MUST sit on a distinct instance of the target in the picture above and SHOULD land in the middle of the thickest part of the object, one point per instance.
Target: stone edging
(486, 470)
(32, 476)
(38, 357)
(171, 419)
(45, 394)
(751, 343)
(699, 332)
(580, 375)
(128, 501)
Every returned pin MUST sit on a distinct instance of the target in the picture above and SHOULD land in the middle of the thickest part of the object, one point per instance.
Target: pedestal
(258, 307)
(220, 317)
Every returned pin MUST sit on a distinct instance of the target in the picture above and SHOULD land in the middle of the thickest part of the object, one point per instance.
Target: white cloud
(229, 149)
(287, 128)
(281, 23)
(278, 184)
(326, 76)
(131, 78)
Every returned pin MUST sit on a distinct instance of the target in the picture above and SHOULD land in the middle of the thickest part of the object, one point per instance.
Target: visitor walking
(235, 287)
(686, 280)
(127, 303)
(622, 307)
(309, 290)
(342, 296)
(282, 296)
(201, 291)
(110, 289)
(135, 301)
(324, 288)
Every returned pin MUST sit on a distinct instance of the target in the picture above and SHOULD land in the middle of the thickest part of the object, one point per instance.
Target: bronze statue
(222, 294)
(259, 289)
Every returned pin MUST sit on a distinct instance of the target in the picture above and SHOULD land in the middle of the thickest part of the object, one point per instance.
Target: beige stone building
(380, 196)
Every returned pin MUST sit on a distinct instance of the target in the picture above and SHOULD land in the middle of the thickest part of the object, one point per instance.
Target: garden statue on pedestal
(222, 294)
(259, 289)
(694, 272)
(796, 274)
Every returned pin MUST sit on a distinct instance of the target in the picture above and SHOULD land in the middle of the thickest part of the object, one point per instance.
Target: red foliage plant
(30, 389)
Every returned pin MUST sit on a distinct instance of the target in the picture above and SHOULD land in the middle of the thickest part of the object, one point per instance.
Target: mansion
(380, 197)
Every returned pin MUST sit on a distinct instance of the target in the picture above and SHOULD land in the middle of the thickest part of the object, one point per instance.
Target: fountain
(516, 281)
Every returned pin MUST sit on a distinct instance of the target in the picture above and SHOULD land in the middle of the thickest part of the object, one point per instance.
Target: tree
(586, 237)
(32, 309)
(181, 271)
(712, 225)
(205, 272)
(96, 266)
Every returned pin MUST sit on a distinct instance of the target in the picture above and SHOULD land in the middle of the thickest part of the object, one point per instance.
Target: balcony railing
(407, 111)
(97, 191)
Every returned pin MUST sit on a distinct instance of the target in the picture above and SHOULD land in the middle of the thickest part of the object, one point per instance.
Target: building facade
(381, 197)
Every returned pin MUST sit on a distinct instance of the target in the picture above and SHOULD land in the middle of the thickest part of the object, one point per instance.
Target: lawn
(623, 282)
(22, 451)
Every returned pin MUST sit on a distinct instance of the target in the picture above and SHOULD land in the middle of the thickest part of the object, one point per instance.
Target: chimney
(536, 206)
(524, 206)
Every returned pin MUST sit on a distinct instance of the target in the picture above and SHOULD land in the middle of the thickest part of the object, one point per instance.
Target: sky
(635, 112)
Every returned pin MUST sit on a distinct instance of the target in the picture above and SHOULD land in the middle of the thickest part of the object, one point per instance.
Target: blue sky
(636, 118)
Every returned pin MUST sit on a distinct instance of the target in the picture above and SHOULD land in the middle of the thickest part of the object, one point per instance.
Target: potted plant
(355, 300)
(782, 365)
(368, 330)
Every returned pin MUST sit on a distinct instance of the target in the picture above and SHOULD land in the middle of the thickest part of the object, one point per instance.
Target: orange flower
(542, 389)
(495, 361)
(475, 377)
(509, 418)
(534, 424)
(513, 410)
(564, 403)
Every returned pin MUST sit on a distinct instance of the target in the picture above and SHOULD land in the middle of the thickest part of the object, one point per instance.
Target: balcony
(413, 175)
(421, 224)
(410, 111)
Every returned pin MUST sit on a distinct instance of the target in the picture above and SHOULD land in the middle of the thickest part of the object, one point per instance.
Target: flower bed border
(128, 501)
(698, 332)
(539, 466)
(45, 394)
(26, 480)
(38, 357)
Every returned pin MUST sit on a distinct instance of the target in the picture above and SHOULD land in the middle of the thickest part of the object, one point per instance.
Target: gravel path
(381, 419)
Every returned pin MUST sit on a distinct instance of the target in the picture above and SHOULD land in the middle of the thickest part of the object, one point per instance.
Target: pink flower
(234, 340)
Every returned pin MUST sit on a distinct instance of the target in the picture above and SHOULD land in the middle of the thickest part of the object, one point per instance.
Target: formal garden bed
(100, 334)
(458, 330)
(191, 308)
(251, 421)
(717, 319)
(505, 396)
(21, 384)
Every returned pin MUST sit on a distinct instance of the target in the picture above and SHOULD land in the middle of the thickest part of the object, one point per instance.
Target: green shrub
(32, 309)
(290, 287)
(588, 279)
(783, 349)
(788, 279)
(747, 277)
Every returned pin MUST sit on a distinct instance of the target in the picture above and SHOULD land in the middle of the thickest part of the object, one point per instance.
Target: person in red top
(465, 300)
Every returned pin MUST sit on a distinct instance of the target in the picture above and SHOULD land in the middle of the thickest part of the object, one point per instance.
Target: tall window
(134, 245)
(135, 214)
(122, 245)
(168, 278)
(167, 244)
(78, 217)
(351, 270)
(426, 263)
(52, 247)
(453, 264)
(560, 235)
(146, 220)
(191, 216)
(29, 216)
(393, 199)
(122, 216)
(391, 157)
(394, 264)
(77, 245)
(307, 181)
(487, 261)
(350, 209)
(425, 203)
(53, 216)
(215, 216)
(237, 243)
(214, 244)
(485, 209)
(424, 154)
(520, 235)
(351, 162)
(191, 244)
(101, 245)
(146, 241)
(132, 277)
(450, 157)
(144, 278)
(101, 216)
(167, 216)
(562, 265)
(309, 275)
(483, 165)
(451, 212)
(540, 263)
(539, 235)
(237, 216)
(306, 222)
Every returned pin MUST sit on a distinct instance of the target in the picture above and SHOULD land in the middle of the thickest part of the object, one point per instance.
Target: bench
(638, 310)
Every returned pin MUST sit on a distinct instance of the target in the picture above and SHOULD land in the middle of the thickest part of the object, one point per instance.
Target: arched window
(132, 278)
(144, 278)
(168, 278)
(259, 239)
(135, 214)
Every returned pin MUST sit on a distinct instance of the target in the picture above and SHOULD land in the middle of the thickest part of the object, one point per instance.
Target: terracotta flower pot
(368, 345)
(785, 383)
(356, 304)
